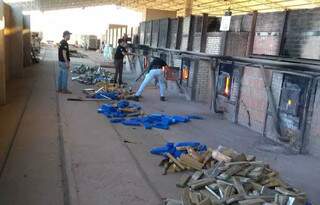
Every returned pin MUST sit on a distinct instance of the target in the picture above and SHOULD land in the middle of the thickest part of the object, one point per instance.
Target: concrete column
(2, 59)
(13, 41)
(27, 61)
(283, 33)
(252, 34)
(204, 33)
(188, 7)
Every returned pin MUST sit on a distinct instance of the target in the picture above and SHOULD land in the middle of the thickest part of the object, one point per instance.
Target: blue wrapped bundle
(172, 148)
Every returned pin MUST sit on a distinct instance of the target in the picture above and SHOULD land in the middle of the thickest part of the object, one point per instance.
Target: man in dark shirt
(156, 71)
(118, 61)
(64, 63)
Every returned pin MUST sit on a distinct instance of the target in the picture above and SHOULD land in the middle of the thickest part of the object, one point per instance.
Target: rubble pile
(90, 75)
(224, 176)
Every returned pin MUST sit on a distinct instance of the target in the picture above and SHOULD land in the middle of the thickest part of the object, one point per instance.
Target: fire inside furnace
(227, 86)
(185, 73)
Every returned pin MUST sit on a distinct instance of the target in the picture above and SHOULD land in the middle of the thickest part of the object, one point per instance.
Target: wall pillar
(283, 33)
(27, 61)
(13, 41)
(2, 59)
(252, 34)
(204, 33)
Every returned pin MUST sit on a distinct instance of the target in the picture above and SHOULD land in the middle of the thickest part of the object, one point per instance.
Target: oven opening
(225, 80)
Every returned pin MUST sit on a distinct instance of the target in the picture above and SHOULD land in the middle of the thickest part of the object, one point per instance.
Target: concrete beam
(156, 14)
(188, 7)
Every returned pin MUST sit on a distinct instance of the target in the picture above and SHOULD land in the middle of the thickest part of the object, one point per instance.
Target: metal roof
(212, 7)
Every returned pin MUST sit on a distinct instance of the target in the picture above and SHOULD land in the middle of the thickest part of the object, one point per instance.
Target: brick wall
(185, 33)
(253, 99)
(173, 32)
(155, 33)
(163, 33)
(148, 31)
(268, 33)
(266, 43)
(237, 43)
(270, 22)
(314, 138)
(141, 31)
(303, 31)
(214, 43)
(196, 42)
(203, 92)
(241, 23)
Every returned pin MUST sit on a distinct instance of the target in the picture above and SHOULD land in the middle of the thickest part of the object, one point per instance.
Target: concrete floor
(63, 152)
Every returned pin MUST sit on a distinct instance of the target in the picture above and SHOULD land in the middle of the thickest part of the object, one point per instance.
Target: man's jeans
(153, 73)
(63, 77)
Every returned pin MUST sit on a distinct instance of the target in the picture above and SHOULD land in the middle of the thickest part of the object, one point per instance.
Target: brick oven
(291, 93)
(228, 80)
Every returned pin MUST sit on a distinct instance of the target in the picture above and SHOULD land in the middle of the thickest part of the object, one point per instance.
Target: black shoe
(136, 98)
(163, 98)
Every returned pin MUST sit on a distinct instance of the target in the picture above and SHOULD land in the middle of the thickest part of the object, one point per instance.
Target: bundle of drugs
(234, 178)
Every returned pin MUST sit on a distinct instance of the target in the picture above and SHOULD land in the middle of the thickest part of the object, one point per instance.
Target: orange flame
(227, 89)
(185, 73)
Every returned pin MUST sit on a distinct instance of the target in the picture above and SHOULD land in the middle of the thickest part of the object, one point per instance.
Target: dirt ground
(54, 151)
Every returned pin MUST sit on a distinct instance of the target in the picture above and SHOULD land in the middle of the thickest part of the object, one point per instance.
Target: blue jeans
(63, 77)
(153, 74)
